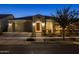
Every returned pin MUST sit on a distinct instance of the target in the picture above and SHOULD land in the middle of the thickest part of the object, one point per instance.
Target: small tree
(65, 17)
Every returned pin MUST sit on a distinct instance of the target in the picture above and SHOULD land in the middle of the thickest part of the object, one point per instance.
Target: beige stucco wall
(10, 25)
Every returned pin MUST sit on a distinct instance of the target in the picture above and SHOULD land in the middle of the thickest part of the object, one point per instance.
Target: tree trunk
(63, 33)
(45, 27)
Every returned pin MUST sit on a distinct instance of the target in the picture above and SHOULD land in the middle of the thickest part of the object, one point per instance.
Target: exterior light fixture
(43, 24)
(10, 24)
(33, 24)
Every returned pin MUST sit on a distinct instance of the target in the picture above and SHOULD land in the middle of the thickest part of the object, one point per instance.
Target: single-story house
(36, 24)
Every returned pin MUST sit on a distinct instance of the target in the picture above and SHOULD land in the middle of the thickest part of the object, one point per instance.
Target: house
(38, 24)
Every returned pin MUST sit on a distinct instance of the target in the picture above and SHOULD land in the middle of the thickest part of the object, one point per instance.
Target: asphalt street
(40, 48)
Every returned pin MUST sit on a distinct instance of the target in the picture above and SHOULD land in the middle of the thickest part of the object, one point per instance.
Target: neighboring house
(36, 24)
(4, 21)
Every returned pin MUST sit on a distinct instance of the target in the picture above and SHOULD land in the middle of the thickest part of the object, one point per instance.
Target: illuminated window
(58, 28)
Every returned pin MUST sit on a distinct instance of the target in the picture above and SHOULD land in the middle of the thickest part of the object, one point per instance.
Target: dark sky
(19, 10)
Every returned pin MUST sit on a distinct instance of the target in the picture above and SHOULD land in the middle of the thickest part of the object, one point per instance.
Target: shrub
(30, 39)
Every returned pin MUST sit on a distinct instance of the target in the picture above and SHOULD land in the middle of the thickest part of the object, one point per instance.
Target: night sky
(19, 10)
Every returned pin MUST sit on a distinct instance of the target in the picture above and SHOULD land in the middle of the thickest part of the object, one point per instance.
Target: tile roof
(30, 17)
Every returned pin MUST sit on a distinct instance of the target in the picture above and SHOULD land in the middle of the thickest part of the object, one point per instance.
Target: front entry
(38, 29)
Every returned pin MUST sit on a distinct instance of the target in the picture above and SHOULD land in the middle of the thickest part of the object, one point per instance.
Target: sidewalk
(24, 42)
(21, 37)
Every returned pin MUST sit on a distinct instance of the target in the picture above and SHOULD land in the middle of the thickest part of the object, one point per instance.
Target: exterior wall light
(10, 29)
(33, 24)
(10, 24)
(43, 24)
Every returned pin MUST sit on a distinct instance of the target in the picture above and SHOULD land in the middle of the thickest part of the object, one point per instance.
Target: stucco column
(33, 29)
(10, 27)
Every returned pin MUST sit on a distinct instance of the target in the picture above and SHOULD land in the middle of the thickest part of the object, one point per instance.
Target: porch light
(43, 24)
(10, 24)
(33, 24)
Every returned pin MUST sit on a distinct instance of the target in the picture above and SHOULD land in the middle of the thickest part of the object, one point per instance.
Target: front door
(38, 27)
